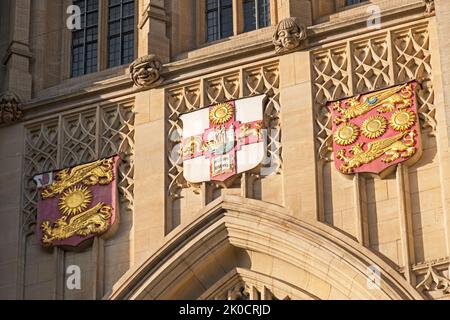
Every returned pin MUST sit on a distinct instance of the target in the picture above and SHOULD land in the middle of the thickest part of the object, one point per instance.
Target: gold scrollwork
(247, 130)
(192, 146)
(374, 127)
(346, 134)
(400, 145)
(98, 172)
(402, 120)
(74, 200)
(387, 100)
(221, 113)
(96, 220)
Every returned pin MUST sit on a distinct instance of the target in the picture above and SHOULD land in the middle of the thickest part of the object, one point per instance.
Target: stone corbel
(146, 71)
(10, 111)
(289, 35)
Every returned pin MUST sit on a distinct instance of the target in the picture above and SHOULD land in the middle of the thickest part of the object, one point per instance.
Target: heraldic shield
(223, 140)
(374, 132)
(77, 204)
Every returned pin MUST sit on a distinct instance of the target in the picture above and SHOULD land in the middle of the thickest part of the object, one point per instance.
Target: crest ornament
(223, 140)
(346, 134)
(374, 127)
(402, 120)
(374, 132)
(75, 200)
(76, 204)
(221, 113)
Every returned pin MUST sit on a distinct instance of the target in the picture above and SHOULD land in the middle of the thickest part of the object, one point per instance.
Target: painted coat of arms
(223, 140)
(374, 132)
(77, 204)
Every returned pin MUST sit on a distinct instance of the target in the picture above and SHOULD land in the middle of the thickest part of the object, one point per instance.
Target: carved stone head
(146, 71)
(9, 108)
(288, 35)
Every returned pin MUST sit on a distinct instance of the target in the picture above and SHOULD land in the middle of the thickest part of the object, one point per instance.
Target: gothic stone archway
(241, 248)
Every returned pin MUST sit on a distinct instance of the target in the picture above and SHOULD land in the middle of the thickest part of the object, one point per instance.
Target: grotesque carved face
(146, 71)
(9, 108)
(290, 37)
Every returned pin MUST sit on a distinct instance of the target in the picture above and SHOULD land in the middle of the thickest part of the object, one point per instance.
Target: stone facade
(297, 229)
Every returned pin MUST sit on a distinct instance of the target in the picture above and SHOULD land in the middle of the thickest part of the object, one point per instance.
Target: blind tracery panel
(74, 138)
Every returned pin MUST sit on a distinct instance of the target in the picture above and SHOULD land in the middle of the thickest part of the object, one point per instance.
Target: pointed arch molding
(234, 235)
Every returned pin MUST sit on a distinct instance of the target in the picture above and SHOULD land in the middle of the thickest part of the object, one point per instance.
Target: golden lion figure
(99, 172)
(92, 221)
(400, 145)
(193, 146)
(247, 131)
(387, 100)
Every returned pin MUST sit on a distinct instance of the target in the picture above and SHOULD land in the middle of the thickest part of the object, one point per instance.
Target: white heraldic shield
(223, 139)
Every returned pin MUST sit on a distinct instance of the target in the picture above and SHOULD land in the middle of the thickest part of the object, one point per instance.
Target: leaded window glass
(219, 19)
(121, 23)
(256, 14)
(85, 40)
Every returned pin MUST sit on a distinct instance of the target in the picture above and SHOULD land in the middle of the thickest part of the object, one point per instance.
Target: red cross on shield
(223, 140)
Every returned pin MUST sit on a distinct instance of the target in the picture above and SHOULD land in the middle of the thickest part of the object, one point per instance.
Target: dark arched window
(256, 14)
(219, 19)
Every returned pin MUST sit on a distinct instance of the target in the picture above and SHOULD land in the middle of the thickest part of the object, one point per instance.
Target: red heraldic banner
(374, 132)
(77, 204)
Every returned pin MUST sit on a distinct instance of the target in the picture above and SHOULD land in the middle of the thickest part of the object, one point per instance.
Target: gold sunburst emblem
(221, 113)
(75, 200)
(374, 127)
(402, 120)
(346, 134)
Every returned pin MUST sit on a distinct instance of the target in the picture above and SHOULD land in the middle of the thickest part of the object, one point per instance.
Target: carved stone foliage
(75, 138)
(288, 35)
(244, 291)
(232, 85)
(238, 292)
(10, 111)
(429, 6)
(434, 284)
(364, 65)
(146, 71)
